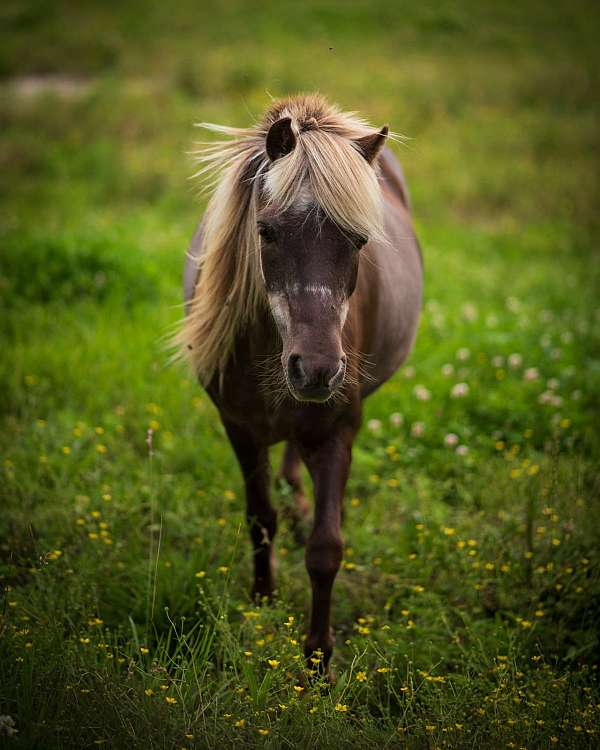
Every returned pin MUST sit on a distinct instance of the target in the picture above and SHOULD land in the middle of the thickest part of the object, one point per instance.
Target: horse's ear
(371, 145)
(280, 139)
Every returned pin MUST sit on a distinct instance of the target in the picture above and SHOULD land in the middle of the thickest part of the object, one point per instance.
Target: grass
(468, 604)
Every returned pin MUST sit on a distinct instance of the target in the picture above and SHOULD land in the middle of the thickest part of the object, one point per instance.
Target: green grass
(468, 605)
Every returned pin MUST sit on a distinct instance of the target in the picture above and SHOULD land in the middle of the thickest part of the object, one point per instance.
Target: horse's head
(309, 266)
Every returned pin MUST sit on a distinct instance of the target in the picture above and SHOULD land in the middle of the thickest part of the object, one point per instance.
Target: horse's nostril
(296, 372)
(337, 378)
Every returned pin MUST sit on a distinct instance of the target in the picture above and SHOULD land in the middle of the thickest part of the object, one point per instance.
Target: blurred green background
(468, 605)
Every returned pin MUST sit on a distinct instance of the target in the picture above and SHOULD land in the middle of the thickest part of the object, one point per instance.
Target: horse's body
(375, 323)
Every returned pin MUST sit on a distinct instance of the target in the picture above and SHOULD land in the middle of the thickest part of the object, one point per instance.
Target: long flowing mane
(326, 160)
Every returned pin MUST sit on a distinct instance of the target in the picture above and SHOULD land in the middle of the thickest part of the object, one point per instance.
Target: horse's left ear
(370, 145)
(280, 139)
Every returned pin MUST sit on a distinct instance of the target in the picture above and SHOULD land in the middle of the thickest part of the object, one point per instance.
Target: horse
(302, 286)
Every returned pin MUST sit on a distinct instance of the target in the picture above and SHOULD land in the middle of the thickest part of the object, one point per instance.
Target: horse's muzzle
(310, 380)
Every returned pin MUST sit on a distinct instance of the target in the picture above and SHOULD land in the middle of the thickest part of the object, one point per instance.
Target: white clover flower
(451, 440)
(462, 450)
(422, 393)
(515, 361)
(409, 372)
(396, 419)
(469, 311)
(549, 397)
(417, 429)
(552, 384)
(498, 361)
(531, 373)
(462, 354)
(374, 425)
(459, 390)
(447, 370)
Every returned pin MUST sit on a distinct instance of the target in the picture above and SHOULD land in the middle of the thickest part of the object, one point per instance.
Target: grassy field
(467, 610)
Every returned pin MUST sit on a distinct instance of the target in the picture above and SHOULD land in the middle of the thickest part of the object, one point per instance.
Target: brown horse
(303, 290)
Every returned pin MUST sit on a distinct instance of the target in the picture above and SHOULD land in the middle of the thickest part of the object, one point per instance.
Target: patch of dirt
(64, 86)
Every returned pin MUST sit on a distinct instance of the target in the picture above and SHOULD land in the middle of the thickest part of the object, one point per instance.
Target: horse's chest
(271, 415)
(249, 404)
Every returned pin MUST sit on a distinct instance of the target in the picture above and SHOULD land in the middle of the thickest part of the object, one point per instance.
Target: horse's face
(309, 268)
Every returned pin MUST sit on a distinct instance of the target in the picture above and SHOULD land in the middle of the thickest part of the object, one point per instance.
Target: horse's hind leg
(299, 511)
(261, 517)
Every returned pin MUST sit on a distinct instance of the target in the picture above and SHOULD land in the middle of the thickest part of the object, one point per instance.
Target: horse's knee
(324, 553)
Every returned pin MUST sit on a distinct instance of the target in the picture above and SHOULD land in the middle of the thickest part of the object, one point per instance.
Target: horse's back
(393, 176)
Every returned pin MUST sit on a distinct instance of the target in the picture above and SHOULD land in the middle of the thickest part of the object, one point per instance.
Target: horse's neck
(258, 339)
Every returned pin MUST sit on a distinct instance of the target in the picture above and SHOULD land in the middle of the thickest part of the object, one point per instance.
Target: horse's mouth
(317, 393)
(312, 395)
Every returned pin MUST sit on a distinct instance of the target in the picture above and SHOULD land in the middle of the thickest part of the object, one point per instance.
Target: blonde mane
(326, 159)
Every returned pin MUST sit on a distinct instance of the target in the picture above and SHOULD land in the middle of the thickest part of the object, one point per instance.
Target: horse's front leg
(262, 518)
(329, 465)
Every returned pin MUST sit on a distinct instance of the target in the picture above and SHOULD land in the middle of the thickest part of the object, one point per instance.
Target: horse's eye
(266, 231)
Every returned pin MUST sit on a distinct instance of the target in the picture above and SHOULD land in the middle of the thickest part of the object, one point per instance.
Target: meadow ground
(467, 610)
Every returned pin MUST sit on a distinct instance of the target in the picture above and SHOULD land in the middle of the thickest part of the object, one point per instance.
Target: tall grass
(467, 607)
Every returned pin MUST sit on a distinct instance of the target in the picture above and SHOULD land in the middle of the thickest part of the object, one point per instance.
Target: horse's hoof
(311, 677)
(262, 595)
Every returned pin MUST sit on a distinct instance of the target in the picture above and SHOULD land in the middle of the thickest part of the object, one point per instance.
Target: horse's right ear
(370, 145)
(280, 139)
